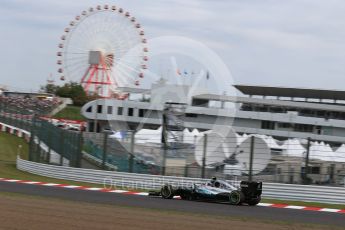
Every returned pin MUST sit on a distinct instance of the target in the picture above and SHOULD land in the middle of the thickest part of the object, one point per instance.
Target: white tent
(240, 138)
(321, 151)
(155, 140)
(340, 154)
(189, 137)
(293, 148)
(118, 135)
(148, 135)
(270, 141)
(195, 132)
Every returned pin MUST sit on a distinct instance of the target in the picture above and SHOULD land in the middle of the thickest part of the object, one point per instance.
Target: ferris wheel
(103, 48)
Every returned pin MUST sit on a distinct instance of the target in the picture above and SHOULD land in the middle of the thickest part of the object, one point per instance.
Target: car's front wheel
(167, 191)
(236, 197)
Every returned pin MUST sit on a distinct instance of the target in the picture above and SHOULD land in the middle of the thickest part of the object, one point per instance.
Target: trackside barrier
(112, 179)
(15, 131)
(108, 178)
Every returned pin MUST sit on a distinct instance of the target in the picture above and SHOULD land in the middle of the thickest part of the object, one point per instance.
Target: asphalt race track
(265, 213)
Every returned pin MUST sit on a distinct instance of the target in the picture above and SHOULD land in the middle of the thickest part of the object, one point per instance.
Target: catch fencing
(197, 155)
(286, 163)
(112, 180)
(67, 144)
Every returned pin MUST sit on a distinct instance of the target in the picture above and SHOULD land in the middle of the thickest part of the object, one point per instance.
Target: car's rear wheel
(167, 191)
(254, 201)
(236, 197)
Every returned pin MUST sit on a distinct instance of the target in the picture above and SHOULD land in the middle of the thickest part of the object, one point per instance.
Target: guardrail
(112, 179)
(14, 131)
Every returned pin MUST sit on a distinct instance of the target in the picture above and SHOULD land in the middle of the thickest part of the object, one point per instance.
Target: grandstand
(17, 102)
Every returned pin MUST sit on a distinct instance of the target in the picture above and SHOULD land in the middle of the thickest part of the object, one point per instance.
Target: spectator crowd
(28, 104)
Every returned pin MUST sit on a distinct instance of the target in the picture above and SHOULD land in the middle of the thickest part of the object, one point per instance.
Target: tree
(74, 91)
(49, 88)
(71, 90)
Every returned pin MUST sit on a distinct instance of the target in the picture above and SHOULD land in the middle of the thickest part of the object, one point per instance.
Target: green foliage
(74, 91)
(71, 90)
(49, 88)
(8, 154)
(10, 147)
(71, 113)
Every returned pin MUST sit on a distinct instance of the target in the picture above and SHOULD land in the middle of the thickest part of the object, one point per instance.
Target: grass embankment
(71, 113)
(8, 152)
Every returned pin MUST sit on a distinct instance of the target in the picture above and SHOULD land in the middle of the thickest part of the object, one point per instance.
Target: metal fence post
(105, 143)
(62, 143)
(251, 157)
(49, 144)
(79, 150)
(204, 157)
(131, 157)
(38, 151)
(164, 141)
(17, 117)
(305, 179)
(32, 139)
(186, 171)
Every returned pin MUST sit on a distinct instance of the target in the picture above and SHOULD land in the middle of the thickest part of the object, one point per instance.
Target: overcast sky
(295, 43)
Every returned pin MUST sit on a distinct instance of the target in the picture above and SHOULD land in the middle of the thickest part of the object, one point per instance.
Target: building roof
(273, 102)
(133, 90)
(27, 93)
(291, 92)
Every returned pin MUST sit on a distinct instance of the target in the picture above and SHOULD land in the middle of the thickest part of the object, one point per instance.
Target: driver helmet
(214, 179)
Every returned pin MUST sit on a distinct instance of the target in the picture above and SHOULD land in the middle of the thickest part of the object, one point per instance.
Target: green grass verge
(71, 113)
(9, 149)
(8, 153)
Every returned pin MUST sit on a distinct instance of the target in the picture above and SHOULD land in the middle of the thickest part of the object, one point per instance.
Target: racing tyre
(254, 201)
(167, 192)
(236, 197)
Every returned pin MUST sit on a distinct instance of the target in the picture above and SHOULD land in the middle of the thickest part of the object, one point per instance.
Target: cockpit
(220, 184)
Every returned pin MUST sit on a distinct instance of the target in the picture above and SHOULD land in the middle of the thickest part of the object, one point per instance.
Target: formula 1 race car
(215, 190)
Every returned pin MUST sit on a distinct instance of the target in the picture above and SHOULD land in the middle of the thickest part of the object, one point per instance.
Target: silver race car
(215, 190)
